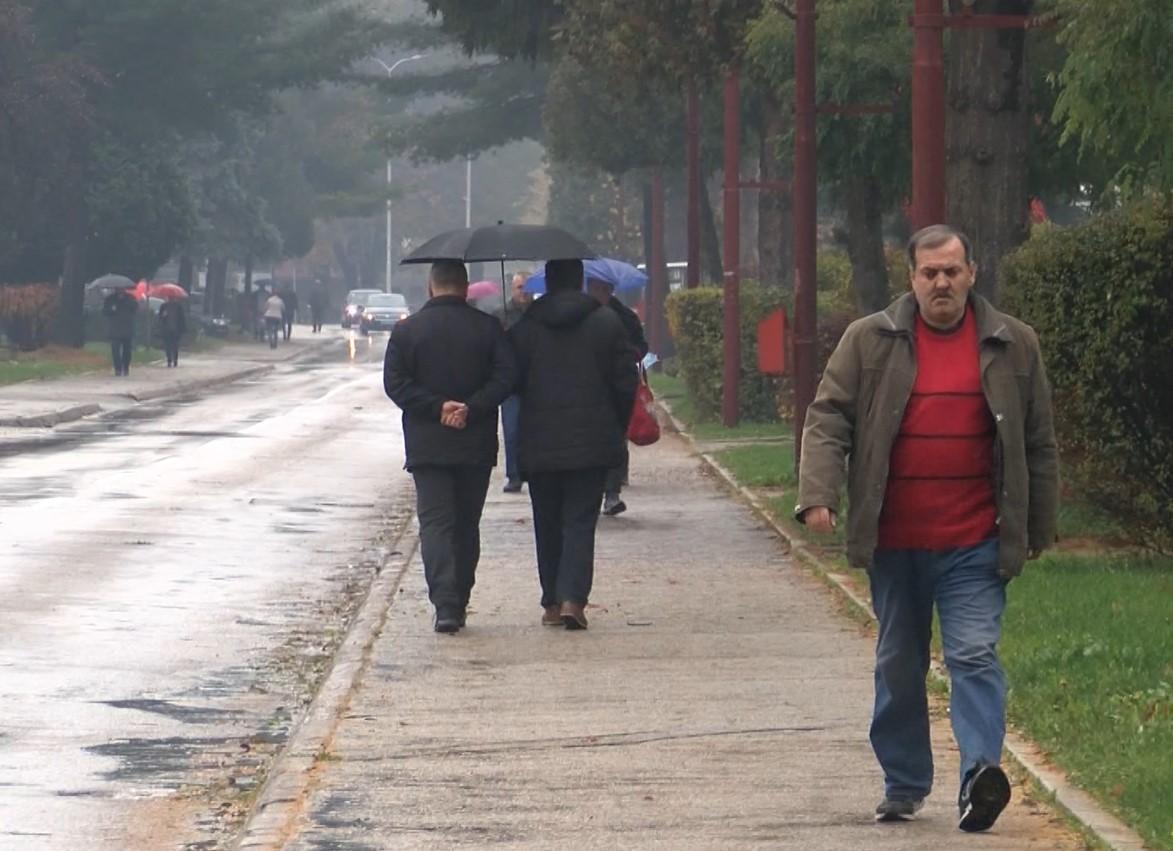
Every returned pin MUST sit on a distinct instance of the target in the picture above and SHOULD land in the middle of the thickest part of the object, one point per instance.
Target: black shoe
(448, 620)
(613, 505)
(984, 794)
(513, 486)
(898, 809)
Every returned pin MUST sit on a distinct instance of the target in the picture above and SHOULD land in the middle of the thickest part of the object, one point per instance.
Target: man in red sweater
(937, 411)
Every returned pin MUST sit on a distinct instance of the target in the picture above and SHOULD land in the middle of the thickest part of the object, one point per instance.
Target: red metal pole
(928, 114)
(805, 219)
(694, 185)
(657, 282)
(732, 274)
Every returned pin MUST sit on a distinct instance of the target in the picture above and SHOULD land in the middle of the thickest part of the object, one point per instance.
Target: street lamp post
(387, 271)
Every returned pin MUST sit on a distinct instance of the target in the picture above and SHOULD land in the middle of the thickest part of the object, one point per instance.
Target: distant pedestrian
(119, 308)
(577, 383)
(274, 315)
(509, 314)
(317, 307)
(289, 298)
(172, 324)
(937, 414)
(260, 300)
(448, 367)
(604, 293)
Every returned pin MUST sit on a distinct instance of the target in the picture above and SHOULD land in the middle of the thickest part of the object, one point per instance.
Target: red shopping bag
(643, 429)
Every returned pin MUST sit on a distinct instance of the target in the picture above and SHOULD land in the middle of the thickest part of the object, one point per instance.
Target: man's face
(517, 290)
(599, 291)
(941, 282)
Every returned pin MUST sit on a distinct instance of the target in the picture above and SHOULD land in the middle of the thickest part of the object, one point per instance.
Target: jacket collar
(444, 301)
(900, 318)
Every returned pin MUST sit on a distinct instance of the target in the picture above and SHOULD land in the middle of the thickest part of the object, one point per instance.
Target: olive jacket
(855, 418)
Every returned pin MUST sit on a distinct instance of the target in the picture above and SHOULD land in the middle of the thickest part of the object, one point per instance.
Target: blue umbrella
(622, 276)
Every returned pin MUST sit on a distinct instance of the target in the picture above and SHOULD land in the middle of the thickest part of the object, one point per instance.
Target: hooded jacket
(577, 383)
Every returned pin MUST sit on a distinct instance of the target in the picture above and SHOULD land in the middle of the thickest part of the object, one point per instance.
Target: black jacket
(577, 384)
(119, 309)
(631, 324)
(448, 351)
(172, 320)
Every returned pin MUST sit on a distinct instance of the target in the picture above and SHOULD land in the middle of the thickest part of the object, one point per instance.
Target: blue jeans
(969, 595)
(511, 426)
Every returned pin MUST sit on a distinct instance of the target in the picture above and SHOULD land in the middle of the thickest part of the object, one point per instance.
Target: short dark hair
(563, 275)
(449, 276)
(934, 236)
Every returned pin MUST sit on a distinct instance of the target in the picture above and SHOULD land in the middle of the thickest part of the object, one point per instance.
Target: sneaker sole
(887, 818)
(988, 796)
(615, 509)
(571, 622)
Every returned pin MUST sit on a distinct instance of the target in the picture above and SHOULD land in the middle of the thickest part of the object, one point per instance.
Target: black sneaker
(898, 809)
(513, 486)
(447, 620)
(984, 794)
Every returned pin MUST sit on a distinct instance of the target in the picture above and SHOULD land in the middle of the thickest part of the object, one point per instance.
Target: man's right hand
(819, 518)
(454, 414)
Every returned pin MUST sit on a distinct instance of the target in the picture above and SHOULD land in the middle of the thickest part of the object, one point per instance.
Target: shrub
(26, 313)
(695, 318)
(1100, 296)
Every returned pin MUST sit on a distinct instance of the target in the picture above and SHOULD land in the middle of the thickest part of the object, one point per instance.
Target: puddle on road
(175, 711)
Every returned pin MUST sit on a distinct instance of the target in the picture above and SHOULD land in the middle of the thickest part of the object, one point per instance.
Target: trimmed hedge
(1100, 296)
(695, 318)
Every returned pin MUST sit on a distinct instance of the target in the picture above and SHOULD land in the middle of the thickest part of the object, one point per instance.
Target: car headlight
(351, 309)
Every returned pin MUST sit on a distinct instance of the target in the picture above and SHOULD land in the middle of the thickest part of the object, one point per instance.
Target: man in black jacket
(577, 382)
(604, 293)
(449, 367)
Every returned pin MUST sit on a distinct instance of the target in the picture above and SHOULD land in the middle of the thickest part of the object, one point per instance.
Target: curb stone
(65, 415)
(1078, 804)
(284, 793)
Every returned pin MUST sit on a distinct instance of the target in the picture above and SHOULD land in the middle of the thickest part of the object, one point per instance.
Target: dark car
(356, 302)
(382, 311)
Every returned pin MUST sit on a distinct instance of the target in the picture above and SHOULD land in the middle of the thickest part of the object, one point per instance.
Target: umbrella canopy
(483, 289)
(622, 276)
(501, 242)
(166, 291)
(111, 282)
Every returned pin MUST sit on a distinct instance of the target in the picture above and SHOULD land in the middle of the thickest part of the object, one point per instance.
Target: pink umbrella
(483, 289)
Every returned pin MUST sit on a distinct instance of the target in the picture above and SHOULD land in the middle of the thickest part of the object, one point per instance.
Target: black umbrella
(501, 242)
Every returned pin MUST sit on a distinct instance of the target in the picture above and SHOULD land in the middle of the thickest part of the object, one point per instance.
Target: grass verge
(1088, 648)
(670, 388)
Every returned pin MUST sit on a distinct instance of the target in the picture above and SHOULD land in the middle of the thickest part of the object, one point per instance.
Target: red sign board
(772, 344)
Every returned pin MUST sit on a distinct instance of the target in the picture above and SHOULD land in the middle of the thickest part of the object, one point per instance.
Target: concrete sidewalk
(720, 699)
(49, 402)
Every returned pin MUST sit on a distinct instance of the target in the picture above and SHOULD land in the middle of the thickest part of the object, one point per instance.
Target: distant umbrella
(483, 289)
(622, 276)
(111, 282)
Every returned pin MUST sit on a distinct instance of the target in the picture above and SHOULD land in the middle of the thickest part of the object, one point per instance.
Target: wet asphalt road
(173, 581)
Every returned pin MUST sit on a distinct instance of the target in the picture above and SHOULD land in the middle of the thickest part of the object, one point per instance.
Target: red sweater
(941, 472)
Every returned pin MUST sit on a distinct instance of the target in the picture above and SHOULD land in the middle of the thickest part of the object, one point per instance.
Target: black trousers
(449, 502)
(616, 476)
(566, 512)
(171, 347)
(120, 350)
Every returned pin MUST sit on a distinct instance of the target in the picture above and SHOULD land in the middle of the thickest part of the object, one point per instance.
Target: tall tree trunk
(986, 138)
(712, 271)
(775, 236)
(214, 295)
(186, 273)
(71, 320)
(865, 242)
